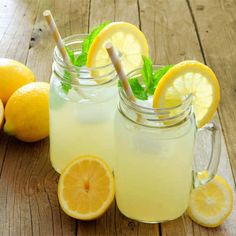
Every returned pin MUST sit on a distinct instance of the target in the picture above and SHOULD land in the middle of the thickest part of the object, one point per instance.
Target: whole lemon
(26, 112)
(13, 75)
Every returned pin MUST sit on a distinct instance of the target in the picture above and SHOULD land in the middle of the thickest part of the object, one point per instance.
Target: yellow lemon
(13, 75)
(1, 113)
(126, 38)
(26, 112)
(185, 78)
(212, 203)
(86, 188)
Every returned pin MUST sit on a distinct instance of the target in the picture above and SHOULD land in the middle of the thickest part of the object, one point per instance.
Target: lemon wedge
(212, 203)
(126, 38)
(189, 77)
(86, 188)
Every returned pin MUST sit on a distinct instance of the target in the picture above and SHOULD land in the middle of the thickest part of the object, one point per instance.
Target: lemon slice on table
(126, 38)
(86, 188)
(1, 113)
(212, 203)
(189, 77)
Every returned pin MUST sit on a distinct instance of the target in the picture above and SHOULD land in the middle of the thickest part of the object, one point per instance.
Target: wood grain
(171, 33)
(176, 30)
(216, 24)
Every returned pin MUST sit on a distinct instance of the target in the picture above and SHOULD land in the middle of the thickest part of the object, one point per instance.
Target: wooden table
(176, 30)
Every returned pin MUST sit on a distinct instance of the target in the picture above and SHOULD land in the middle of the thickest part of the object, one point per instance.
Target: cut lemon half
(189, 77)
(126, 38)
(1, 113)
(212, 203)
(86, 188)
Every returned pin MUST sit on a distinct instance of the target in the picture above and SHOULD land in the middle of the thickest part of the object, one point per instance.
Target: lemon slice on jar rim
(127, 39)
(185, 78)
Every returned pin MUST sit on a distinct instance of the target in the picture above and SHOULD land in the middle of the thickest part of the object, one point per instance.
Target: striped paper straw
(122, 76)
(56, 35)
(60, 44)
(120, 71)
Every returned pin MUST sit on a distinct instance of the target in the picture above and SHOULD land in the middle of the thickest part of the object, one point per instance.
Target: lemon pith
(212, 203)
(189, 77)
(86, 188)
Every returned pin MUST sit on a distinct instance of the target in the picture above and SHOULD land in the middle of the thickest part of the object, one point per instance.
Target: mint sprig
(150, 79)
(81, 59)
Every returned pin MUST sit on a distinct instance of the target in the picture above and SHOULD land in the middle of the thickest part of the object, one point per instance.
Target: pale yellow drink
(81, 117)
(82, 127)
(153, 171)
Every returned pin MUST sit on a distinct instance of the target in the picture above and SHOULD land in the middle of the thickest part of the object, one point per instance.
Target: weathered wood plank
(16, 24)
(216, 24)
(15, 32)
(169, 27)
(113, 222)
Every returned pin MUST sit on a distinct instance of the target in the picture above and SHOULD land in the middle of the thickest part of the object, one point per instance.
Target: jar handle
(203, 177)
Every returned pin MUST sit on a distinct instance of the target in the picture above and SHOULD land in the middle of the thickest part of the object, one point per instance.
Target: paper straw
(56, 35)
(60, 45)
(120, 71)
(122, 76)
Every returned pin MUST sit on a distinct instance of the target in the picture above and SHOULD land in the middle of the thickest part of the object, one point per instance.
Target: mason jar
(82, 108)
(154, 158)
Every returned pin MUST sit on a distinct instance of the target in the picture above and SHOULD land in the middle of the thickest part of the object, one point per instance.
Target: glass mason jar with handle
(154, 158)
(82, 108)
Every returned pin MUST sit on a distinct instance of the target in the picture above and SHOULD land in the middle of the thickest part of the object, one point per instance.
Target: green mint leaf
(147, 73)
(159, 73)
(137, 88)
(88, 41)
(71, 55)
(81, 60)
(66, 84)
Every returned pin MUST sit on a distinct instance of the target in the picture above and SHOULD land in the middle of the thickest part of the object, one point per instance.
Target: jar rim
(58, 58)
(124, 98)
(82, 75)
(187, 100)
(154, 116)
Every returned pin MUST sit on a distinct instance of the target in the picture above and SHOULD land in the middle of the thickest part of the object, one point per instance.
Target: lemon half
(86, 188)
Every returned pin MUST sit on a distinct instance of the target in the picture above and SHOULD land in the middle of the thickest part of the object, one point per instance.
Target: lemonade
(83, 94)
(155, 146)
(81, 111)
(154, 171)
(81, 126)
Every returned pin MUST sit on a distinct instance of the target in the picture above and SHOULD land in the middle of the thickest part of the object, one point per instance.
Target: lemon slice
(189, 77)
(212, 203)
(126, 38)
(86, 188)
(1, 113)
